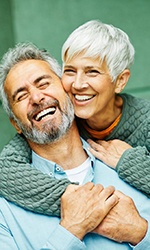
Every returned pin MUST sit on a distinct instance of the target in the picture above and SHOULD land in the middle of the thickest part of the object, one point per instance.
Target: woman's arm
(134, 168)
(26, 186)
(131, 164)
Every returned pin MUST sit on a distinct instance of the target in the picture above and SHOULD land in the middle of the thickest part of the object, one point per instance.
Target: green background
(47, 23)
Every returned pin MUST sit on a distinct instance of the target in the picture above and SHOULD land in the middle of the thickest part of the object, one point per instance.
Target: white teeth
(83, 97)
(44, 112)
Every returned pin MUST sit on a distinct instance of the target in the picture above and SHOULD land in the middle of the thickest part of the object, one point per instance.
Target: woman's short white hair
(98, 40)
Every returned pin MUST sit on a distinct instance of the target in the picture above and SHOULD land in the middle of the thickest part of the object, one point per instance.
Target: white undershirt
(78, 174)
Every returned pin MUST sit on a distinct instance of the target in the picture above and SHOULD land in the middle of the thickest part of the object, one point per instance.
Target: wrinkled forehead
(29, 69)
(29, 72)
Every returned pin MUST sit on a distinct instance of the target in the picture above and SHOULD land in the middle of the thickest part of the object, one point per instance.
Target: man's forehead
(30, 69)
(32, 64)
(28, 72)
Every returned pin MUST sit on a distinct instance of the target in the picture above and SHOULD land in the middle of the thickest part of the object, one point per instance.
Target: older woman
(96, 67)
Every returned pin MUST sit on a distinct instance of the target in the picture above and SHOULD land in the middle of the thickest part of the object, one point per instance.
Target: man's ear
(122, 80)
(15, 126)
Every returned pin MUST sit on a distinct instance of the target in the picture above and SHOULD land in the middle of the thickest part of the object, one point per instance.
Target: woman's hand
(108, 151)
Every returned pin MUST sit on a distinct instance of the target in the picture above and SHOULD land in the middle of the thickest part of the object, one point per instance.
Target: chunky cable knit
(134, 168)
(36, 191)
(133, 128)
(25, 185)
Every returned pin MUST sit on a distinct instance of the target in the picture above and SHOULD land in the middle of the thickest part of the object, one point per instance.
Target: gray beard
(50, 132)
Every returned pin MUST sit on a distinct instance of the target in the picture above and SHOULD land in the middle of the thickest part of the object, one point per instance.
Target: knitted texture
(38, 192)
(137, 174)
(27, 186)
(133, 128)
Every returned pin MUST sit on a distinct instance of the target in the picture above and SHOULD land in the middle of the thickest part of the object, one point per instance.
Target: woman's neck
(105, 119)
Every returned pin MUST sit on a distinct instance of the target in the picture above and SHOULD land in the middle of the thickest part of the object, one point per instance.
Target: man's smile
(42, 114)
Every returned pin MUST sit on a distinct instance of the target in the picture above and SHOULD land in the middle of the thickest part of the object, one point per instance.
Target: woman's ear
(122, 80)
(15, 126)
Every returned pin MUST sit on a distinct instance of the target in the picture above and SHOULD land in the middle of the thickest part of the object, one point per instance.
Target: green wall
(47, 23)
(6, 26)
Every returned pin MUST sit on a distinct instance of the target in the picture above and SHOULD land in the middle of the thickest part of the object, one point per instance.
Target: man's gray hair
(98, 40)
(22, 52)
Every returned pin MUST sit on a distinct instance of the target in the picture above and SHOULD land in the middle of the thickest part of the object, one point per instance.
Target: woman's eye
(93, 72)
(69, 71)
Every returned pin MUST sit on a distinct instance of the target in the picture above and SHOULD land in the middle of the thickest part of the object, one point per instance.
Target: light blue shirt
(25, 230)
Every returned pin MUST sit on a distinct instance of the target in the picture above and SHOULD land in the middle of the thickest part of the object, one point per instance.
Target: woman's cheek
(66, 84)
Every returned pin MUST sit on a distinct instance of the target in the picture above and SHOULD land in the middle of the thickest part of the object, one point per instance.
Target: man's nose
(80, 82)
(36, 96)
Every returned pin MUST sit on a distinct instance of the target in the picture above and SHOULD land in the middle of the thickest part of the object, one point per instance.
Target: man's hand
(84, 207)
(123, 223)
(108, 151)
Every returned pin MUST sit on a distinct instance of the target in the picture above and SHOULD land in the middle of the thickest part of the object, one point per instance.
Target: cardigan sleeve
(26, 186)
(134, 168)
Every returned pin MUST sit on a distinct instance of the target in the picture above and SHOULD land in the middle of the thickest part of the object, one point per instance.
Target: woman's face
(89, 86)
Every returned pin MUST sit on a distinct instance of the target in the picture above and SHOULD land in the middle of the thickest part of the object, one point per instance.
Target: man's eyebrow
(41, 78)
(17, 91)
(35, 81)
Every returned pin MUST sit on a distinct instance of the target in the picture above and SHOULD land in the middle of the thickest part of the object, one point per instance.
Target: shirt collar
(49, 167)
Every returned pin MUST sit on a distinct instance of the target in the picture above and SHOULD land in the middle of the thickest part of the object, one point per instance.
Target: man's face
(43, 112)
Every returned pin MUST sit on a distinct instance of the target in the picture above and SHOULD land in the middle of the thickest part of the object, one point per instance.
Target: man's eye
(43, 85)
(21, 97)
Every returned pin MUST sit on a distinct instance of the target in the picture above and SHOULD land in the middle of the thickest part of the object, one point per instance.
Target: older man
(91, 216)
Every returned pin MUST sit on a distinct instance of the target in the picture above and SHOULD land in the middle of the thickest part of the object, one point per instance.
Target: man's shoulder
(4, 205)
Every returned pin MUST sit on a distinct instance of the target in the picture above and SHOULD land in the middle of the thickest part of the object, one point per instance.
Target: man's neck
(67, 151)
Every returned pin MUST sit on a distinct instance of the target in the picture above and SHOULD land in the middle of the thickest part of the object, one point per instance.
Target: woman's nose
(80, 82)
